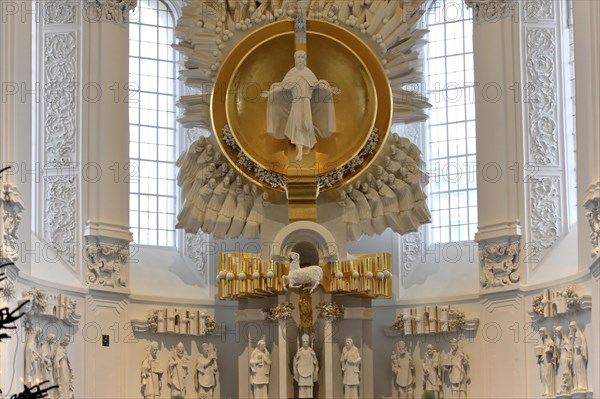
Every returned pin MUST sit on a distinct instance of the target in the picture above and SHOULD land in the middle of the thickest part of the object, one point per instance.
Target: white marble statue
(350, 361)
(362, 206)
(177, 371)
(63, 373)
(564, 369)
(33, 360)
(300, 107)
(306, 368)
(432, 373)
(457, 367)
(244, 203)
(260, 370)
(376, 205)
(547, 361)
(350, 216)
(48, 353)
(403, 368)
(207, 372)
(580, 358)
(311, 275)
(251, 229)
(151, 373)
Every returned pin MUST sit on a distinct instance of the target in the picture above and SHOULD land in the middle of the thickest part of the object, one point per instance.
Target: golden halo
(335, 55)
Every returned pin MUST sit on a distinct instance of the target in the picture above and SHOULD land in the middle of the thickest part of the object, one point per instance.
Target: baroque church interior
(300, 198)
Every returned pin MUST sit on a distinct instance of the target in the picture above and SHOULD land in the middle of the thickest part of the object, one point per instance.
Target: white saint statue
(206, 372)
(32, 358)
(432, 372)
(63, 373)
(260, 370)
(564, 371)
(547, 361)
(350, 361)
(177, 371)
(151, 373)
(300, 107)
(404, 369)
(457, 366)
(306, 368)
(580, 358)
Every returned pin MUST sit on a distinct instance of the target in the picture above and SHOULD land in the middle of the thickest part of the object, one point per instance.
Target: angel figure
(300, 107)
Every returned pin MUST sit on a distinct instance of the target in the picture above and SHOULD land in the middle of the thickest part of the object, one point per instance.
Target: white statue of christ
(301, 107)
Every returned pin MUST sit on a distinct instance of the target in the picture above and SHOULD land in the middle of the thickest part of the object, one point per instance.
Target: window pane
(152, 65)
(451, 150)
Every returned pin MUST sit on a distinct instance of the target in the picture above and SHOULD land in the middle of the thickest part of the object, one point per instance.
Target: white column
(586, 25)
(497, 60)
(106, 144)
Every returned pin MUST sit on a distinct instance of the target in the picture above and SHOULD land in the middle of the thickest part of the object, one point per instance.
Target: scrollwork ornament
(492, 10)
(106, 263)
(59, 12)
(593, 216)
(60, 215)
(499, 263)
(12, 207)
(545, 211)
(116, 11)
(195, 250)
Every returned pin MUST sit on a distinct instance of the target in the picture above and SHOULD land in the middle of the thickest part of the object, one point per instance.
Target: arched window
(450, 142)
(152, 138)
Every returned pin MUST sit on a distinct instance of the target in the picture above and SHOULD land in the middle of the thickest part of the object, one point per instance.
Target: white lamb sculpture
(298, 276)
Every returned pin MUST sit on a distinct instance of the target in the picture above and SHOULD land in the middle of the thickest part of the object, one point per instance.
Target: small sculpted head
(300, 59)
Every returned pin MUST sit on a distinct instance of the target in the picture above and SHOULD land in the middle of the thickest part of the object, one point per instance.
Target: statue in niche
(260, 370)
(432, 373)
(306, 368)
(580, 358)
(63, 373)
(403, 368)
(564, 370)
(546, 353)
(300, 107)
(151, 373)
(207, 372)
(33, 359)
(457, 367)
(350, 361)
(177, 371)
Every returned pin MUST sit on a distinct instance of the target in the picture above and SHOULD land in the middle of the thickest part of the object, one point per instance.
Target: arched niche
(312, 241)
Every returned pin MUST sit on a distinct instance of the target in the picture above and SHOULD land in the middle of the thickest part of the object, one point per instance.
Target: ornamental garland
(279, 312)
(153, 321)
(456, 318)
(279, 180)
(271, 178)
(538, 304)
(571, 298)
(331, 311)
(398, 323)
(38, 299)
(334, 177)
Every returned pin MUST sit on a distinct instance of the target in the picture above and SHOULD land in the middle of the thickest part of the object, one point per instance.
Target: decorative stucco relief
(58, 11)
(545, 211)
(60, 98)
(499, 264)
(116, 11)
(60, 215)
(492, 10)
(541, 101)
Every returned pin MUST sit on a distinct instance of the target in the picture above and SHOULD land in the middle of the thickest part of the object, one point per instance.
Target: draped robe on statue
(301, 109)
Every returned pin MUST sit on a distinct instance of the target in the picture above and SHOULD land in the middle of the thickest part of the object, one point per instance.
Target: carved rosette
(116, 11)
(492, 10)
(592, 206)
(107, 264)
(499, 264)
(12, 207)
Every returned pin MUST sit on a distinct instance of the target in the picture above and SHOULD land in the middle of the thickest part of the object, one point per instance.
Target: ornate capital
(592, 205)
(11, 207)
(116, 11)
(499, 263)
(492, 10)
(107, 264)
